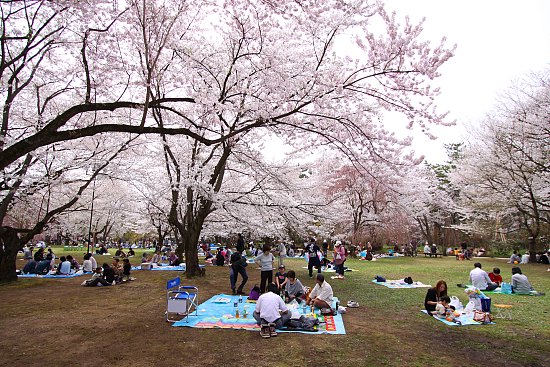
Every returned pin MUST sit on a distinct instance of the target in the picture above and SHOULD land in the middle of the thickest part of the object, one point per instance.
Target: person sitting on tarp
(106, 279)
(434, 295)
(321, 295)
(87, 265)
(220, 258)
(44, 266)
(294, 290)
(64, 267)
(29, 267)
(495, 276)
(480, 279)
(271, 312)
(520, 283)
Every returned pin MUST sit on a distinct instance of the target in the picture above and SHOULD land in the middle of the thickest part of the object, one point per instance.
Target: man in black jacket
(107, 278)
(238, 266)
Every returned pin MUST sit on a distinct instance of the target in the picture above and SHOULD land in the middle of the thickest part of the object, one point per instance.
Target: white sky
(498, 41)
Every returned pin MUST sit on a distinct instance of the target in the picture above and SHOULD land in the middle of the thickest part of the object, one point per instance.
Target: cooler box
(146, 266)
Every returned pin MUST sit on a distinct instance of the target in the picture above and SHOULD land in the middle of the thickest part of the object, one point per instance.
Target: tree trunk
(190, 241)
(9, 246)
(532, 249)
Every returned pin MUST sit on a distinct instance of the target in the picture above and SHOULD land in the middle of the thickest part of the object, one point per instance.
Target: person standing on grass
(265, 261)
(281, 248)
(237, 266)
(339, 259)
(313, 257)
(240, 243)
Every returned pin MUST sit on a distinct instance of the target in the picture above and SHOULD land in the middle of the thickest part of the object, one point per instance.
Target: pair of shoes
(272, 331)
(353, 304)
(265, 331)
(233, 292)
(240, 292)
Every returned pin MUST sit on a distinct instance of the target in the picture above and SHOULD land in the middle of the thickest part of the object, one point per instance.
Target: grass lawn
(57, 322)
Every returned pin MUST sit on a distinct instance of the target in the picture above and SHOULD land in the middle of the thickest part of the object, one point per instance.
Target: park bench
(433, 255)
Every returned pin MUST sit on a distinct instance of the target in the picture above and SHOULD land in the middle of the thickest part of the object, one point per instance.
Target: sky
(497, 42)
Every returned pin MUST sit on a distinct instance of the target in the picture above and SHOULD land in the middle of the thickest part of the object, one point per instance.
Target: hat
(281, 266)
(338, 243)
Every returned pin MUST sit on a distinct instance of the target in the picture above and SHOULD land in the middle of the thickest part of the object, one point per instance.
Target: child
(281, 278)
(495, 276)
(442, 307)
(294, 288)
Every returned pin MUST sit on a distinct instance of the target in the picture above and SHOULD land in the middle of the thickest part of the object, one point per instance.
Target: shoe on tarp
(264, 331)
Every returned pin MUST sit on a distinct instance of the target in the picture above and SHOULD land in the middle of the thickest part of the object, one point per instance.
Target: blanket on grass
(499, 291)
(180, 267)
(463, 319)
(51, 275)
(329, 270)
(398, 284)
(219, 313)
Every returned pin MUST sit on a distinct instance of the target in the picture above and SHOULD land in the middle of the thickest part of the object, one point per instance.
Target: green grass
(387, 329)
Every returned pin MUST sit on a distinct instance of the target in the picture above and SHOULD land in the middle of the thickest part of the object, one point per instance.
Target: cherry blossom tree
(505, 172)
(221, 73)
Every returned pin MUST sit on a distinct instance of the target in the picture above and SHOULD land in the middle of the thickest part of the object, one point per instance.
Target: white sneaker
(353, 304)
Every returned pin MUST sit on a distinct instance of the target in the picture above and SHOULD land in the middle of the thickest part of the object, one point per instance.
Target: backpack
(408, 280)
(380, 279)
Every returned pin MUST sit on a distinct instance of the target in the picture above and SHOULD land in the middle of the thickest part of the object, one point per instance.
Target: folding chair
(180, 300)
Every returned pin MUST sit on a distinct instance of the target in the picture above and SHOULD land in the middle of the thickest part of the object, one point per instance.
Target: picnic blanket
(163, 267)
(219, 313)
(499, 291)
(330, 270)
(397, 284)
(51, 275)
(463, 319)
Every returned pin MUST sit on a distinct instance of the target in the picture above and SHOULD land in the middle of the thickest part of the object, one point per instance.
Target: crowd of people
(276, 290)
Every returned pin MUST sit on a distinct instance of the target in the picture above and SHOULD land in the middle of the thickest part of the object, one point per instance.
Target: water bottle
(240, 299)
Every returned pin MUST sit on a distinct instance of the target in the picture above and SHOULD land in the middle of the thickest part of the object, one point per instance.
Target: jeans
(339, 269)
(266, 277)
(491, 287)
(279, 323)
(313, 263)
(95, 281)
(234, 274)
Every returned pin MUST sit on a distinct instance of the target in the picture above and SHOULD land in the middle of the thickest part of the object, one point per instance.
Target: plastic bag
(477, 303)
(455, 302)
(470, 308)
(506, 288)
